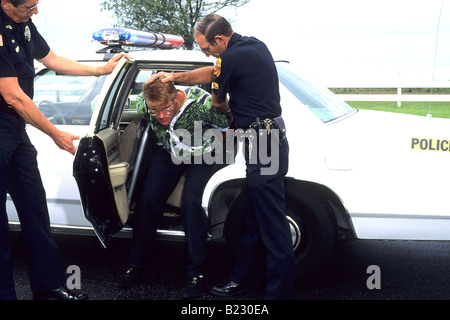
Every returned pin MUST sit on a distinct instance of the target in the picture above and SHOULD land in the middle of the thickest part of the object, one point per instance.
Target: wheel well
(221, 201)
(226, 193)
(343, 221)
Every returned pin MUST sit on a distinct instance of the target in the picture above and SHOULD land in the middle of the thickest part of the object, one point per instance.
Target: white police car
(353, 173)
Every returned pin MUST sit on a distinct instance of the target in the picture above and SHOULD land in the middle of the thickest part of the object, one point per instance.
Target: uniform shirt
(247, 72)
(20, 44)
(197, 113)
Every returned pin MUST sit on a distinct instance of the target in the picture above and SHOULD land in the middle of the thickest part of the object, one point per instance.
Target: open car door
(100, 167)
(101, 179)
(109, 164)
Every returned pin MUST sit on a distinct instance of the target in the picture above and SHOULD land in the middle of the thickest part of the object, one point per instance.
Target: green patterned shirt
(184, 136)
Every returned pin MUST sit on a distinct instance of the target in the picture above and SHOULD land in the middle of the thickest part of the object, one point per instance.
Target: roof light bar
(136, 38)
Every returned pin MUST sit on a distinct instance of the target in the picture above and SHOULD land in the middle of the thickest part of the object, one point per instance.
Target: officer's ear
(219, 40)
(222, 41)
(6, 4)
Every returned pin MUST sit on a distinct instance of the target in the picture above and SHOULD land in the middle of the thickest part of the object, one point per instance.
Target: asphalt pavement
(361, 270)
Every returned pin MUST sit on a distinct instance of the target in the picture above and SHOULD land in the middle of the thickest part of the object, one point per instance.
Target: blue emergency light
(136, 38)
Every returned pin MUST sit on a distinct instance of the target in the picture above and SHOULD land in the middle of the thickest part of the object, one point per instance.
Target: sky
(333, 40)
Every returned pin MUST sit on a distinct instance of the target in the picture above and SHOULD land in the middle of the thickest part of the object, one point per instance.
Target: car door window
(64, 99)
(141, 78)
(111, 101)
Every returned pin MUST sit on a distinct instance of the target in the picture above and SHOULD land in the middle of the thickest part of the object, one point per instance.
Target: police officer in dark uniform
(20, 44)
(246, 71)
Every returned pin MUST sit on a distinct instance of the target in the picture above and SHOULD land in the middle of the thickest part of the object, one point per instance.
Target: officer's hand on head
(164, 76)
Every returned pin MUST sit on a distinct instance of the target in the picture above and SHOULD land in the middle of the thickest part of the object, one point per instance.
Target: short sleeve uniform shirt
(246, 71)
(20, 44)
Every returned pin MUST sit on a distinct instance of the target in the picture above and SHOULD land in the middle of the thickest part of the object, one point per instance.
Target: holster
(279, 123)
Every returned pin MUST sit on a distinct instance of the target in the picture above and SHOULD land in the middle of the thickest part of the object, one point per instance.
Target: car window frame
(107, 116)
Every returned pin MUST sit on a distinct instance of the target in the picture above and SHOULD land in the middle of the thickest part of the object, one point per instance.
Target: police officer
(246, 71)
(20, 44)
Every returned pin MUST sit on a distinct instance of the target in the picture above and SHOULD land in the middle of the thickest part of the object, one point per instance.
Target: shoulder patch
(218, 67)
(215, 86)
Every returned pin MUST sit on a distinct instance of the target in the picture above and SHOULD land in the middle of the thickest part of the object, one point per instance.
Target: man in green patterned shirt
(180, 120)
(189, 116)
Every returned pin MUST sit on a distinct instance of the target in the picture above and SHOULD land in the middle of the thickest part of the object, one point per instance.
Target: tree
(166, 16)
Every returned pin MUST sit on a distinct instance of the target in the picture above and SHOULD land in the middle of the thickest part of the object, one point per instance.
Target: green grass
(390, 90)
(438, 109)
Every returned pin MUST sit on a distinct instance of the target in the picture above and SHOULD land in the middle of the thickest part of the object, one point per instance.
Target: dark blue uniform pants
(20, 177)
(162, 177)
(266, 248)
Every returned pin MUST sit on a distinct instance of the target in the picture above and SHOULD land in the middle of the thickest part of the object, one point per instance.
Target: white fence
(399, 97)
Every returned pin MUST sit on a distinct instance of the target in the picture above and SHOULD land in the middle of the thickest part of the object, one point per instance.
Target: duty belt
(269, 124)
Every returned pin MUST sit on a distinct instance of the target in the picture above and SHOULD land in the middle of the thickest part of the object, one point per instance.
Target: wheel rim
(301, 235)
(296, 234)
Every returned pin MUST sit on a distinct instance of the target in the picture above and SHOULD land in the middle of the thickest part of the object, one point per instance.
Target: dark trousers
(161, 179)
(20, 177)
(266, 252)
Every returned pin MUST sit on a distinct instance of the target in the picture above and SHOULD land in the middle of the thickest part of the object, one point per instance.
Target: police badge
(27, 33)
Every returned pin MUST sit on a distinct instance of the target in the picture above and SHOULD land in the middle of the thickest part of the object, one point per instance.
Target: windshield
(324, 104)
(66, 100)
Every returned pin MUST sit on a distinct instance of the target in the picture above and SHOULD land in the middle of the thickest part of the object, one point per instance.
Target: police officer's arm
(223, 107)
(25, 107)
(67, 66)
(196, 76)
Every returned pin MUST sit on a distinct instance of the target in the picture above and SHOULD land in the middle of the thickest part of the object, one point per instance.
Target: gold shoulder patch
(218, 67)
(215, 86)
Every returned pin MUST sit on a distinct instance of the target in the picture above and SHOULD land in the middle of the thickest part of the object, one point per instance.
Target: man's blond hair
(158, 94)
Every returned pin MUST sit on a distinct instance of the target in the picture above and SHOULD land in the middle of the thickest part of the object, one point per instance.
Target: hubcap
(295, 233)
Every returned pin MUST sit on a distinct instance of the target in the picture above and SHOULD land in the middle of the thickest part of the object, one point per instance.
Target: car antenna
(435, 54)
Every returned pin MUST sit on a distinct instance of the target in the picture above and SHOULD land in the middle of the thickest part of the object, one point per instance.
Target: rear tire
(313, 229)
